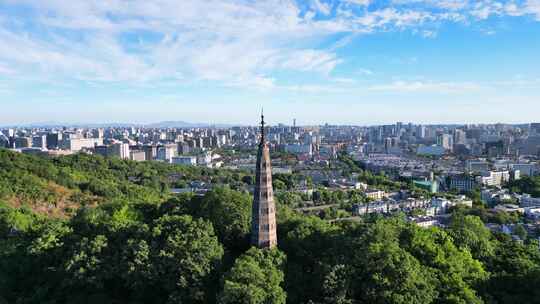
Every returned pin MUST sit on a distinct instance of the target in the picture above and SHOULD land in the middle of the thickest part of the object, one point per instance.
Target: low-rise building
(525, 169)
(462, 182)
(426, 221)
(298, 149)
(430, 186)
(493, 178)
(491, 196)
(477, 166)
(525, 200)
(441, 205)
(533, 213)
(137, 155)
(77, 144)
(375, 194)
(185, 160)
(509, 208)
(431, 150)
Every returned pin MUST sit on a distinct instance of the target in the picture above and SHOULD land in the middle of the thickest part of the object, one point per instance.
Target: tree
(230, 213)
(470, 232)
(255, 278)
(279, 185)
(309, 243)
(457, 273)
(185, 256)
(520, 231)
(290, 199)
(389, 274)
(336, 286)
(515, 272)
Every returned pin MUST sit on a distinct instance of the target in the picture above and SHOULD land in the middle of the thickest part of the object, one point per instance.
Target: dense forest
(84, 229)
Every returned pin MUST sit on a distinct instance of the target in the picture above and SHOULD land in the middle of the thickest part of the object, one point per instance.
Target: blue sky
(345, 62)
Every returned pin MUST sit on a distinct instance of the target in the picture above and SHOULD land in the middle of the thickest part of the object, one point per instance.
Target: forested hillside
(58, 186)
(126, 240)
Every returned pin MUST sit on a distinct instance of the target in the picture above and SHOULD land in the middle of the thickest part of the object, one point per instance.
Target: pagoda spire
(262, 126)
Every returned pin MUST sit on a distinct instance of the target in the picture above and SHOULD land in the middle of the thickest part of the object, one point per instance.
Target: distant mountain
(183, 124)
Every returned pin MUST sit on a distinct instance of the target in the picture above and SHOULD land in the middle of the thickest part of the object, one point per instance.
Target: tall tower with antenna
(263, 217)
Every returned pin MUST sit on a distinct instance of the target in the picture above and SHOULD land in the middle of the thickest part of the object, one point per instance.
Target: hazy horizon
(186, 124)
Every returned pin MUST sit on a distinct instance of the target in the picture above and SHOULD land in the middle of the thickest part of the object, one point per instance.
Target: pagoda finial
(262, 125)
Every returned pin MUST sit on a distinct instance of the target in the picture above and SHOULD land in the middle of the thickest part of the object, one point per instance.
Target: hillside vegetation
(58, 186)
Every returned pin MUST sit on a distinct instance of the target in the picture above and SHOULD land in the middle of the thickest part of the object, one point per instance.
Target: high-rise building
(120, 150)
(535, 129)
(263, 218)
(150, 152)
(445, 141)
(399, 127)
(460, 137)
(98, 133)
(53, 140)
(23, 142)
(420, 131)
(39, 141)
(167, 152)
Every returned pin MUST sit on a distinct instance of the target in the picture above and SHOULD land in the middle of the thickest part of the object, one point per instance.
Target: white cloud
(393, 17)
(323, 8)
(451, 4)
(426, 86)
(441, 4)
(533, 7)
(359, 2)
(4, 70)
(313, 89)
(428, 34)
(228, 41)
(310, 60)
(343, 80)
(212, 40)
(257, 82)
(365, 72)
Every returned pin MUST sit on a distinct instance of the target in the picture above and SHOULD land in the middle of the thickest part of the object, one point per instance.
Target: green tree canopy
(470, 232)
(255, 278)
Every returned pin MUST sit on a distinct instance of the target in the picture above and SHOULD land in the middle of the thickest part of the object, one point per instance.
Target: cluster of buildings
(432, 210)
(188, 146)
(462, 140)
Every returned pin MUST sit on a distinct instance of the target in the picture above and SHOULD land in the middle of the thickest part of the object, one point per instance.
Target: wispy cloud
(343, 80)
(365, 72)
(426, 86)
(227, 41)
(5, 71)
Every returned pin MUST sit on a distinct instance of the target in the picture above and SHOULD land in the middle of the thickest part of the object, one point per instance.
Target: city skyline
(349, 62)
(207, 125)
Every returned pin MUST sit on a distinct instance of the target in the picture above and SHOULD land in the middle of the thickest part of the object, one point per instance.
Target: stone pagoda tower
(263, 218)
